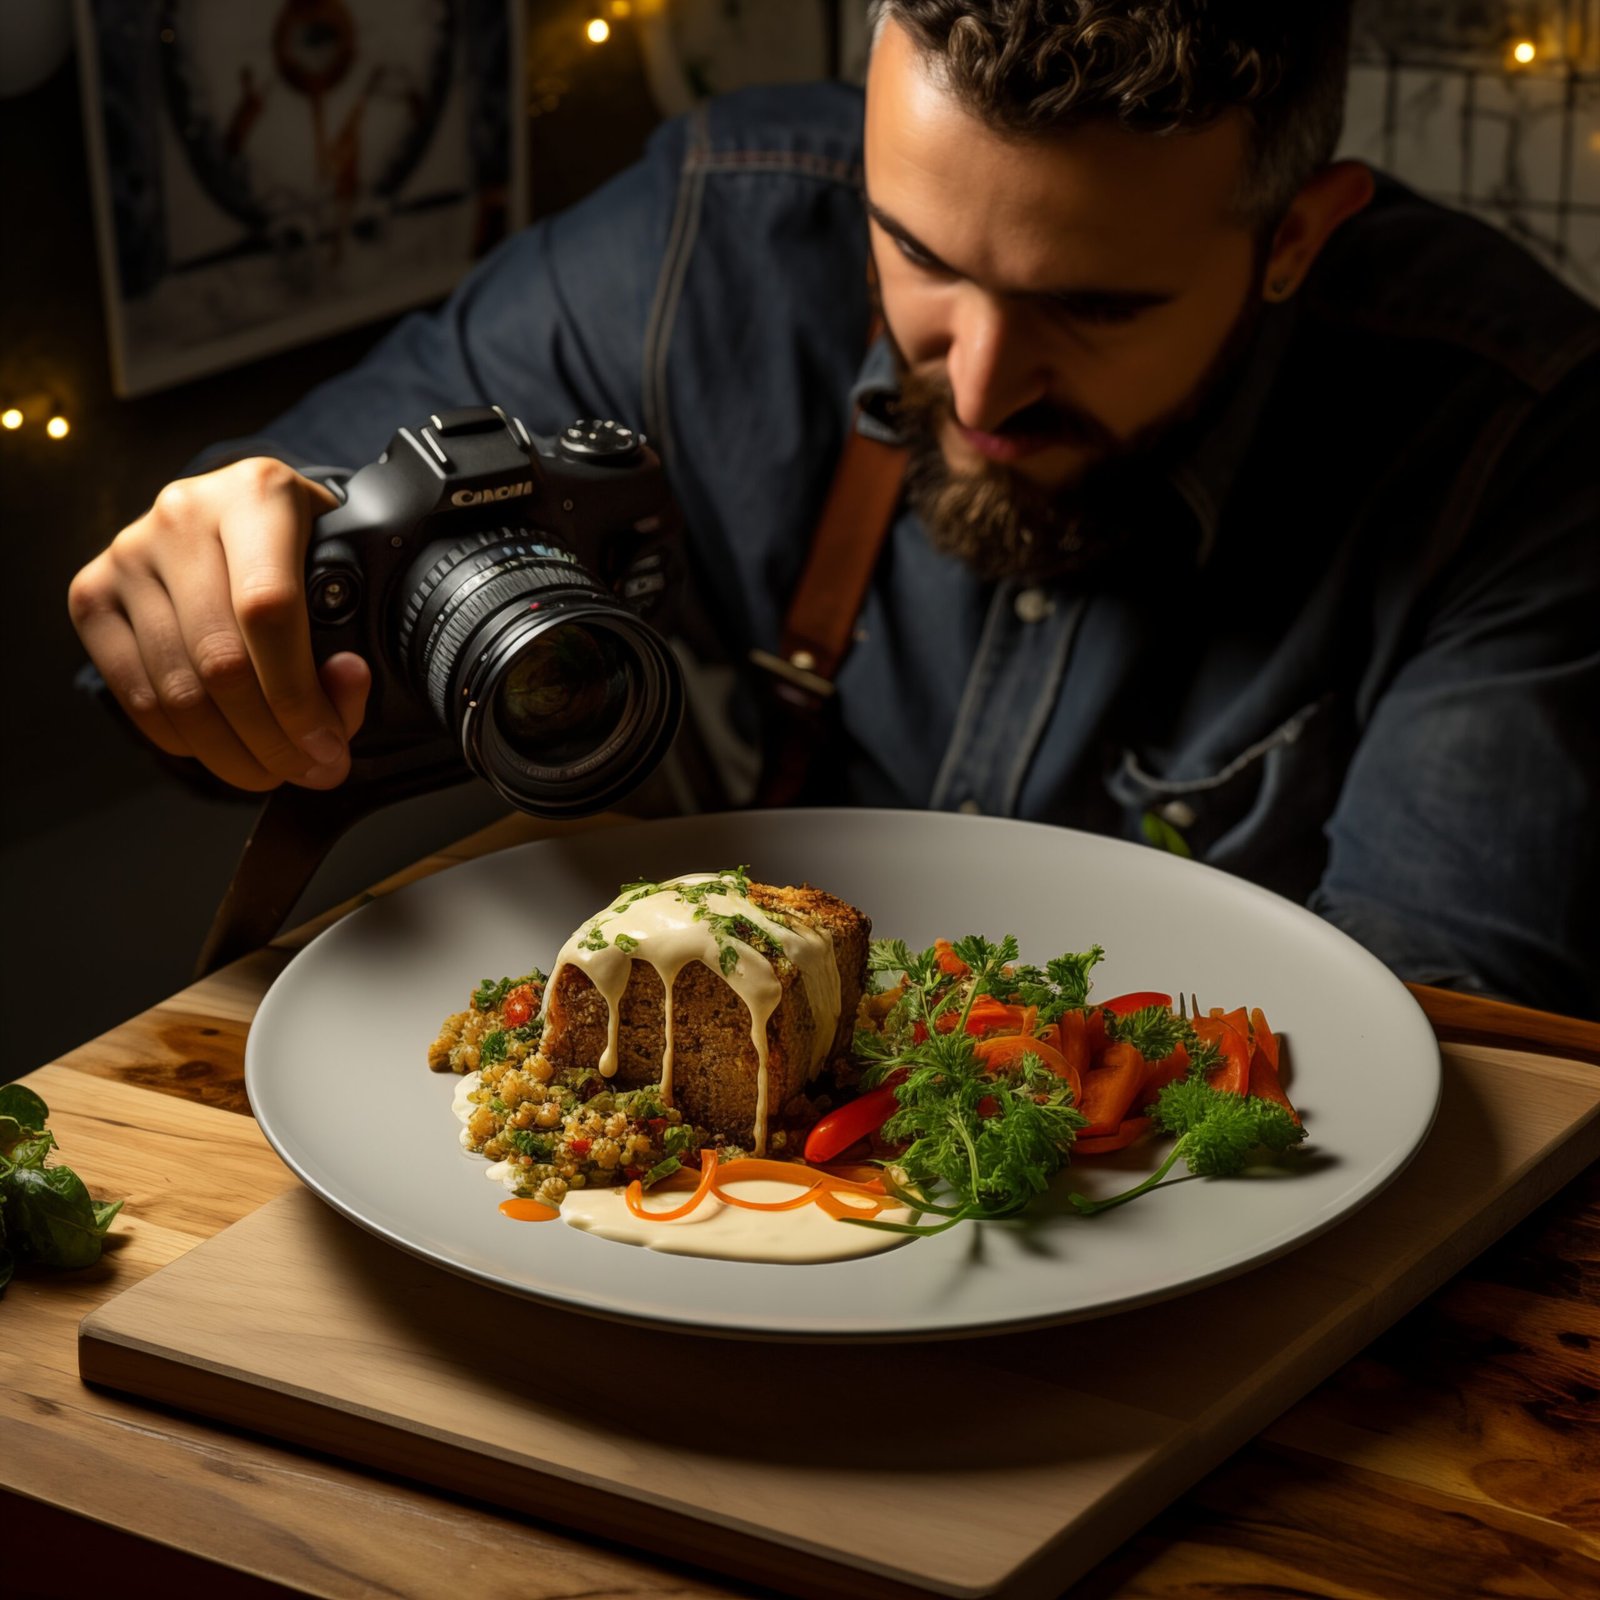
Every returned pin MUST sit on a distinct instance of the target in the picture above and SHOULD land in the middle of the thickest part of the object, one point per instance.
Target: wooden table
(1458, 1455)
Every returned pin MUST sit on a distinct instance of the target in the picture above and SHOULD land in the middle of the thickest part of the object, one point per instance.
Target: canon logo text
(482, 497)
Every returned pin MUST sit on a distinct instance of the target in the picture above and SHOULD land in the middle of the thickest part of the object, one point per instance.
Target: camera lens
(557, 694)
(565, 696)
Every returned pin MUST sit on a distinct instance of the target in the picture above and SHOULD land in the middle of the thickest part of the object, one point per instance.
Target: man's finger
(264, 532)
(347, 681)
(181, 695)
(112, 647)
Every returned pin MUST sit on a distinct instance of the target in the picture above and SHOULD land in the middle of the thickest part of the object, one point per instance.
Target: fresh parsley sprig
(1062, 985)
(978, 1145)
(1155, 1032)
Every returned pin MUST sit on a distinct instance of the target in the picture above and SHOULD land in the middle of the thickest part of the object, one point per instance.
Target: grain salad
(548, 1131)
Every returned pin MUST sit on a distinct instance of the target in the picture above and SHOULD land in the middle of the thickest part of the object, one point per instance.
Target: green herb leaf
(1219, 1134)
(50, 1218)
(1062, 986)
(23, 1104)
(492, 991)
(1155, 1032)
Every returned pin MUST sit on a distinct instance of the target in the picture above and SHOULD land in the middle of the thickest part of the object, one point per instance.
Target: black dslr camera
(498, 583)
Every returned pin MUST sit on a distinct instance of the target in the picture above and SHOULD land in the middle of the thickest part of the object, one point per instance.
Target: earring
(1279, 288)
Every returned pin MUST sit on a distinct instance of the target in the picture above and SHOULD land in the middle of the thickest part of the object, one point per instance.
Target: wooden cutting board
(993, 1466)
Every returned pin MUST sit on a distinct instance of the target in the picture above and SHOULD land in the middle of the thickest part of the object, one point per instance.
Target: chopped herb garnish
(541, 1146)
(492, 991)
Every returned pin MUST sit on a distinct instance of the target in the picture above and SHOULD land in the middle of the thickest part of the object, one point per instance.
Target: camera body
(498, 584)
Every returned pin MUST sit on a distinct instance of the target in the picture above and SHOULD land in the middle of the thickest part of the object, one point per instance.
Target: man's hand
(196, 617)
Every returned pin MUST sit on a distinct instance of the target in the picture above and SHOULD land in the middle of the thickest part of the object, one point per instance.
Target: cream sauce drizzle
(731, 1233)
(726, 1233)
(662, 929)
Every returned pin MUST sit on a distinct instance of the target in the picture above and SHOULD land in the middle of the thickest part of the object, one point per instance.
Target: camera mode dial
(601, 444)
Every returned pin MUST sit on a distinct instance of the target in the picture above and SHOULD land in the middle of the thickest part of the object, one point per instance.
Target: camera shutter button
(602, 444)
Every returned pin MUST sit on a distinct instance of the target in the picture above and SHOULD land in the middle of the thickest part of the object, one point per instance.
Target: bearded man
(1248, 507)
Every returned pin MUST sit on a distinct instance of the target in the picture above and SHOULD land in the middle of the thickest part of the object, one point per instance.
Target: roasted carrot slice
(1109, 1090)
(1158, 1074)
(988, 1015)
(999, 1052)
(1264, 1039)
(1265, 1084)
(1073, 1029)
(1232, 1074)
(1130, 1130)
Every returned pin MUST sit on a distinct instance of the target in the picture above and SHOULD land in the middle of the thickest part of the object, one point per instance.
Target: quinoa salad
(549, 1131)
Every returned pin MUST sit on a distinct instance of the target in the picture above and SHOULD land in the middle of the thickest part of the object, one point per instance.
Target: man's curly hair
(1029, 67)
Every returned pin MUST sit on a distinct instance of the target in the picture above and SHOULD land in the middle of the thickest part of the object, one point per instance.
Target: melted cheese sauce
(663, 929)
(730, 1233)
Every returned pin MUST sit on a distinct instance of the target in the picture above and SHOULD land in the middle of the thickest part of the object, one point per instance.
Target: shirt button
(1033, 605)
(969, 808)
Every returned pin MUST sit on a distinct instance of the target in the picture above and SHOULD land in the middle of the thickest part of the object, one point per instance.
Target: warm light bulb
(58, 427)
(598, 31)
(10, 418)
(622, 8)
(1524, 51)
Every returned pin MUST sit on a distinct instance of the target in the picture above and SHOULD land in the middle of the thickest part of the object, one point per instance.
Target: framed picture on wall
(266, 172)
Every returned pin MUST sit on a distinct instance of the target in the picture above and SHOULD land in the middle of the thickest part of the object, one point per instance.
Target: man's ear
(1329, 197)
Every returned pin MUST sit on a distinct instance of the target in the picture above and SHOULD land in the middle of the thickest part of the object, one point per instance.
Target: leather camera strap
(819, 626)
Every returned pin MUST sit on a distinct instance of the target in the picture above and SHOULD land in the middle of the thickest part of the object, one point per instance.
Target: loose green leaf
(46, 1214)
(23, 1104)
(50, 1218)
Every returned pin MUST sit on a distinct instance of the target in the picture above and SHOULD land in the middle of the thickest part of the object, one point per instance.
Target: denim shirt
(1365, 672)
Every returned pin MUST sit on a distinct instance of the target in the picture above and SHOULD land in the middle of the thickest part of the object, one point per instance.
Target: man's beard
(1004, 526)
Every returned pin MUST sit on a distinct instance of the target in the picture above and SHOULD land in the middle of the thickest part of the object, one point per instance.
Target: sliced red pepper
(579, 1147)
(1141, 999)
(857, 1119)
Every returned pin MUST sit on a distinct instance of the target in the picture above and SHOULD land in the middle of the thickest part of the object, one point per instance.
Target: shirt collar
(1205, 474)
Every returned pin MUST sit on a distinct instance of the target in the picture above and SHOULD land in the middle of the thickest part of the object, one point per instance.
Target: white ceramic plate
(336, 1068)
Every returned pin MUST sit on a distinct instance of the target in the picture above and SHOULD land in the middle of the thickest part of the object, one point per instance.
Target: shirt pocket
(1259, 813)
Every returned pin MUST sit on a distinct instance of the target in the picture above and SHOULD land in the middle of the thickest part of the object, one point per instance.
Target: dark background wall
(110, 868)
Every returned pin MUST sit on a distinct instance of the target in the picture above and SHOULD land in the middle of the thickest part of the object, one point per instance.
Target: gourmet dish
(713, 1048)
